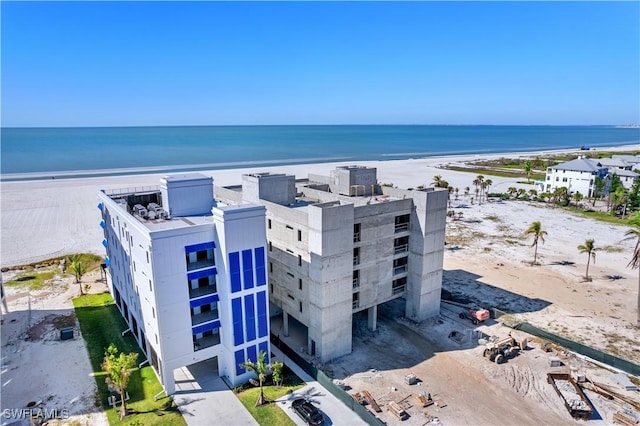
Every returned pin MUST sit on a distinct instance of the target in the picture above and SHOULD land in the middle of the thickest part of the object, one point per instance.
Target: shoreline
(207, 167)
(44, 218)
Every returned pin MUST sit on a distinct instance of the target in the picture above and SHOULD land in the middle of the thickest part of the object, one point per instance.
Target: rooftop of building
(145, 205)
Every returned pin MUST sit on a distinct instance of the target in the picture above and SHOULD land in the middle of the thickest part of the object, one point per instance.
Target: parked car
(308, 412)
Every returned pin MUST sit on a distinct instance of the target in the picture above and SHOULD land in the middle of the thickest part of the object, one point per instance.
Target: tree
(512, 191)
(598, 189)
(527, 169)
(589, 248)
(477, 182)
(533, 193)
(78, 268)
(456, 191)
(485, 187)
(634, 263)
(118, 367)
(276, 373)
(438, 182)
(466, 190)
(538, 233)
(260, 368)
(577, 197)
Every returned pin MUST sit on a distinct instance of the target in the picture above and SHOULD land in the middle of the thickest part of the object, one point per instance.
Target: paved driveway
(204, 398)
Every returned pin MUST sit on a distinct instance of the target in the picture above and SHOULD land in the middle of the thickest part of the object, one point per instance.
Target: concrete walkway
(205, 400)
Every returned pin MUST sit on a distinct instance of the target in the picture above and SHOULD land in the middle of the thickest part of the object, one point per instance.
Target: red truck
(475, 315)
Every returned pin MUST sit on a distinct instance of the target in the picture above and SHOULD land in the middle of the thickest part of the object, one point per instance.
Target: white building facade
(188, 276)
(341, 245)
(579, 175)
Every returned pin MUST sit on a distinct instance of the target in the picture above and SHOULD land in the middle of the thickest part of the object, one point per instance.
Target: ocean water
(110, 150)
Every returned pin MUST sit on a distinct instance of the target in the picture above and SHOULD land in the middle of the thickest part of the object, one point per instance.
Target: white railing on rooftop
(134, 190)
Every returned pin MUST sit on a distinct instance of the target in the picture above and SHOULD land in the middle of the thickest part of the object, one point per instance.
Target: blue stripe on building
(211, 298)
(250, 317)
(252, 354)
(247, 267)
(234, 271)
(205, 327)
(264, 347)
(261, 273)
(236, 312)
(201, 274)
(263, 320)
(200, 247)
(239, 356)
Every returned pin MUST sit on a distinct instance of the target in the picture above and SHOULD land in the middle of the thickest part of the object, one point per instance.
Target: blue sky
(179, 63)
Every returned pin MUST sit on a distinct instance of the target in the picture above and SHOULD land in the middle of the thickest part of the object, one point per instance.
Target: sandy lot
(488, 261)
(39, 370)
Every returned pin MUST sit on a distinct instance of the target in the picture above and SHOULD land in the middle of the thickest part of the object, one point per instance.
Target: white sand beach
(488, 257)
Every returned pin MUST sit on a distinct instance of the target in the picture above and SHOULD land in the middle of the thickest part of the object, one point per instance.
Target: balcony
(356, 282)
(399, 270)
(356, 237)
(356, 304)
(206, 342)
(403, 248)
(202, 291)
(204, 317)
(356, 260)
(402, 227)
(398, 289)
(200, 264)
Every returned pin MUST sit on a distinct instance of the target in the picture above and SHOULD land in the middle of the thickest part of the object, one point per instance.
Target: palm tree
(466, 190)
(477, 182)
(512, 191)
(438, 182)
(634, 263)
(577, 197)
(527, 169)
(589, 248)
(118, 367)
(533, 193)
(485, 187)
(538, 233)
(78, 268)
(260, 368)
(456, 190)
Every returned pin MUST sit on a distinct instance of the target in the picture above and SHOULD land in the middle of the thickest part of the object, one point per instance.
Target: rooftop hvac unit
(140, 210)
(151, 215)
(162, 214)
(153, 207)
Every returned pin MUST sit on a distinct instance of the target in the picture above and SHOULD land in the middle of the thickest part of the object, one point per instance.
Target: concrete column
(285, 323)
(372, 317)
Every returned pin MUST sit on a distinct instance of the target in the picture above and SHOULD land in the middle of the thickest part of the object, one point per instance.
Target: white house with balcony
(188, 276)
(579, 175)
(576, 175)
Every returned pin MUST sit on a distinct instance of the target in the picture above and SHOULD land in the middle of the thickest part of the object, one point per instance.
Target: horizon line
(625, 125)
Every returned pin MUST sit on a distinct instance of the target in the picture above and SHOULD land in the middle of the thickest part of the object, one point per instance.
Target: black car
(308, 412)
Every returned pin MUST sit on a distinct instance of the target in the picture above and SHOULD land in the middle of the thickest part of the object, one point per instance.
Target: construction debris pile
(570, 395)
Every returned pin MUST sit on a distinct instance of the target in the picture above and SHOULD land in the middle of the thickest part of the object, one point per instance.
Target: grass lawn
(101, 324)
(271, 414)
(31, 279)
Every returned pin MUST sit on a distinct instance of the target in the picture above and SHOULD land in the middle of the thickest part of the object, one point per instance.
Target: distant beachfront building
(188, 275)
(342, 244)
(579, 175)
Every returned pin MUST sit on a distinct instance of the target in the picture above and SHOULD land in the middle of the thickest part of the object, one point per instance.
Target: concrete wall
(330, 276)
(355, 180)
(187, 195)
(426, 245)
(276, 188)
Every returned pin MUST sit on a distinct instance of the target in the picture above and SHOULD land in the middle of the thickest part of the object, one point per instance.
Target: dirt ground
(488, 262)
(467, 388)
(39, 370)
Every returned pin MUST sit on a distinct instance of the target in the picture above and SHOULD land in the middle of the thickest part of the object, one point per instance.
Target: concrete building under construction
(342, 244)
